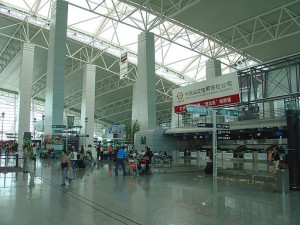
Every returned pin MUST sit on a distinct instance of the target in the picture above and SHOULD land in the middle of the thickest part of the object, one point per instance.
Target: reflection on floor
(180, 193)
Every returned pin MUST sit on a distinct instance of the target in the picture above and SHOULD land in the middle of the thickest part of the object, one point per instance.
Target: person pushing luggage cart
(120, 160)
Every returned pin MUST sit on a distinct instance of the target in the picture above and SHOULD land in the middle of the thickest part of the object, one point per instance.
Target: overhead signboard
(58, 126)
(123, 64)
(291, 103)
(218, 125)
(204, 125)
(76, 126)
(196, 109)
(57, 131)
(219, 91)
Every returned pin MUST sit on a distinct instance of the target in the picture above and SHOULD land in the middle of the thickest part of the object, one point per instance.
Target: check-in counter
(181, 153)
(202, 154)
(193, 161)
(262, 157)
(180, 161)
(228, 165)
(202, 162)
(248, 156)
(248, 166)
(229, 155)
(193, 154)
(262, 166)
(219, 163)
(219, 155)
(259, 156)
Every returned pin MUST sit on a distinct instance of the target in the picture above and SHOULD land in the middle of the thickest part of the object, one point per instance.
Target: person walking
(73, 159)
(64, 167)
(98, 152)
(120, 160)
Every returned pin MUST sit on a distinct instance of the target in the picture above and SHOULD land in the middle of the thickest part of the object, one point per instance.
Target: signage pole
(214, 137)
(67, 136)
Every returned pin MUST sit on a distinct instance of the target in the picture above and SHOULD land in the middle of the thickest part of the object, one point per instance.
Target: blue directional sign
(58, 126)
(201, 110)
(57, 131)
(77, 126)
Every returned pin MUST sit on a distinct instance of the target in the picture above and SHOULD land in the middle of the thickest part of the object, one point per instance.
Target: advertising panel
(123, 64)
(219, 91)
(116, 131)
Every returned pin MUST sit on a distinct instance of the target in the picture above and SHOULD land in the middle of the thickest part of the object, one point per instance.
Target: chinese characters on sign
(123, 64)
(210, 93)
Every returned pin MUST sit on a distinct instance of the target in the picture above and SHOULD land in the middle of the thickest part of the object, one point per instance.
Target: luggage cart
(133, 167)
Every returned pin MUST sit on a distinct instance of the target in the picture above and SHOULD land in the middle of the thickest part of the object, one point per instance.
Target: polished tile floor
(176, 195)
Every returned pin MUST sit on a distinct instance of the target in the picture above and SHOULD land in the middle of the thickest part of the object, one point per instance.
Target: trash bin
(282, 180)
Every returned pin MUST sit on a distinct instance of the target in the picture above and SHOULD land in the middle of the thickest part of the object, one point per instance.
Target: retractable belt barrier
(7, 158)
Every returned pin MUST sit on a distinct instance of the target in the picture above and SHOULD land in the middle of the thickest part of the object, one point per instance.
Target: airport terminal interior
(203, 96)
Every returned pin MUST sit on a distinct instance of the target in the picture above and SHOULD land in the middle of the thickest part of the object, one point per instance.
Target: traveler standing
(276, 159)
(110, 152)
(101, 152)
(64, 167)
(120, 160)
(147, 157)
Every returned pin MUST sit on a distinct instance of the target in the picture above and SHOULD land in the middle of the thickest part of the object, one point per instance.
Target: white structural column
(134, 114)
(54, 105)
(146, 91)
(88, 104)
(25, 88)
(213, 69)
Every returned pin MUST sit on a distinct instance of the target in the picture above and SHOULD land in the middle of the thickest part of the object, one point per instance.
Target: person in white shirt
(73, 159)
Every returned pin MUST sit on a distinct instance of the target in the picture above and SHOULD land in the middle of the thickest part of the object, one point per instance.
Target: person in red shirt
(110, 152)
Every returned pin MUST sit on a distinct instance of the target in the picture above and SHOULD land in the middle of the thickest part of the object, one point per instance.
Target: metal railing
(10, 161)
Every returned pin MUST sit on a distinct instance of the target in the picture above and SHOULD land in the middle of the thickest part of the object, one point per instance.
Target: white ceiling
(187, 34)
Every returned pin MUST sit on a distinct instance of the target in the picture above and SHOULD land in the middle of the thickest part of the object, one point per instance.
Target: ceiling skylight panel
(103, 7)
(21, 4)
(86, 22)
(30, 4)
(175, 52)
(44, 9)
(128, 36)
(89, 25)
(81, 3)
